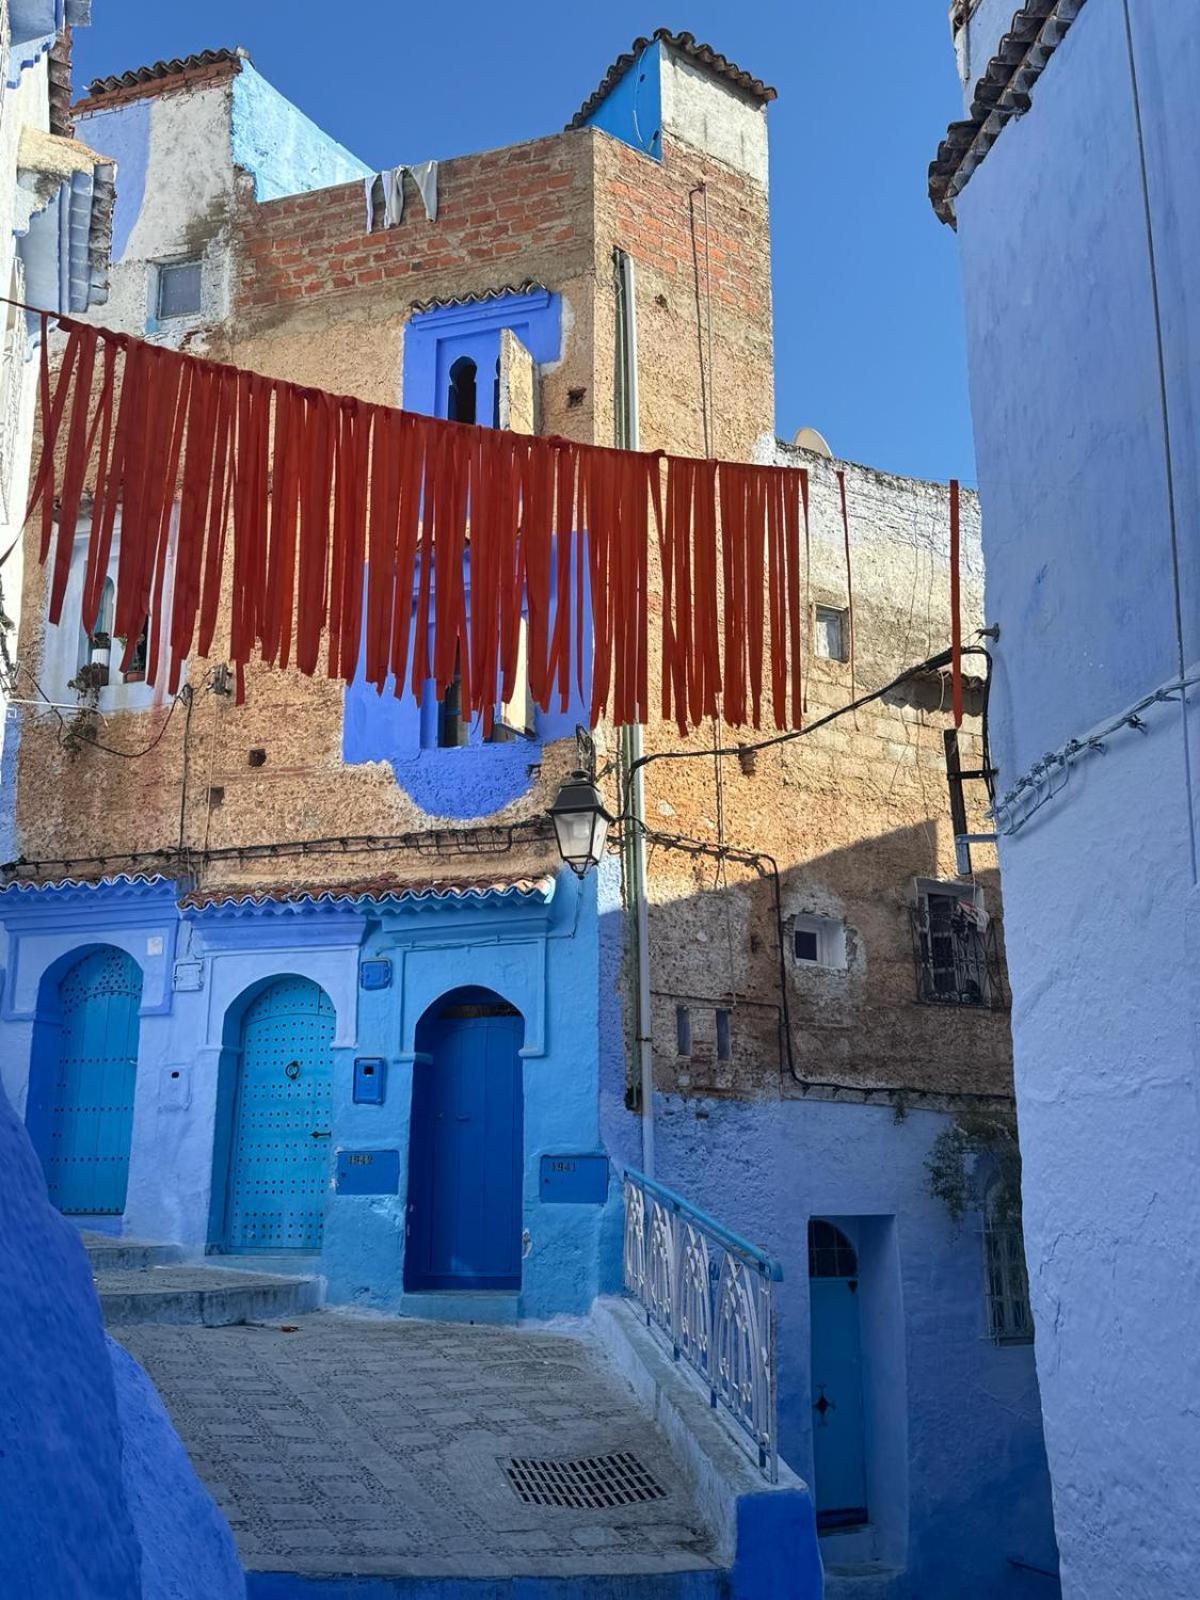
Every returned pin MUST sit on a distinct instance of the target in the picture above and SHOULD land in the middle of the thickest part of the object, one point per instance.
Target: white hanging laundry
(424, 175)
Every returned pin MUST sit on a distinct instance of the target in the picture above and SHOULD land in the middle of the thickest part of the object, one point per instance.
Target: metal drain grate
(592, 1483)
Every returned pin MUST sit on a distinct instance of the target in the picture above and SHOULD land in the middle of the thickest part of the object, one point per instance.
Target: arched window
(830, 1253)
(461, 403)
(1009, 1317)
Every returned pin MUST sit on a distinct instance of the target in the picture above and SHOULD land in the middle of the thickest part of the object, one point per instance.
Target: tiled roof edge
(149, 78)
(1003, 92)
(686, 45)
(284, 898)
(480, 296)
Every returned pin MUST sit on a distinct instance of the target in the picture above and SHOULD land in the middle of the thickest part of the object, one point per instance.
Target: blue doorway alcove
(279, 1149)
(466, 1147)
(82, 1080)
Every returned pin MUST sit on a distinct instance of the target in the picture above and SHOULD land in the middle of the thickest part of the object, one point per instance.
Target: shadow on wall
(889, 980)
(99, 1496)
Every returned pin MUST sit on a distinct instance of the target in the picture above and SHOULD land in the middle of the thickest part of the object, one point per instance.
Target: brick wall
(506, 214)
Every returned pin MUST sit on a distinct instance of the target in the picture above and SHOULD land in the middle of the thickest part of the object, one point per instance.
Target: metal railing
(710, 1295)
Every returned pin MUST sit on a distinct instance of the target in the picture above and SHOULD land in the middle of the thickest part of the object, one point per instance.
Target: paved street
(355, 1445)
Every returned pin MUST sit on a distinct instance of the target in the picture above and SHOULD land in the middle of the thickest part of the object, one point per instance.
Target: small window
(830, 1253)
(724, 1035)
(1009, 1318)
(461, 404)
(819, 941)
(831, 633)
(683, 1031)
(178, 289)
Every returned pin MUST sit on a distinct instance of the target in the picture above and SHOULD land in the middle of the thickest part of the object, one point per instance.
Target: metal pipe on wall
(632, 748)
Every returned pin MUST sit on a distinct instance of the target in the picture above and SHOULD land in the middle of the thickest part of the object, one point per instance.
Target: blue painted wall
(632, 112)
(478, 779)
(544, 962)
(198, 975)
(123, 134)
(98, 1496)
(1100, 889)
(956, 1472)
(284, 151)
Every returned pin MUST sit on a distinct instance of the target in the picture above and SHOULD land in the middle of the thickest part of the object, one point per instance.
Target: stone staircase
(138, 1281)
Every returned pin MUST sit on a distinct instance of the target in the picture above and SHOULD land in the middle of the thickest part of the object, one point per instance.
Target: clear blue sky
(868, 319)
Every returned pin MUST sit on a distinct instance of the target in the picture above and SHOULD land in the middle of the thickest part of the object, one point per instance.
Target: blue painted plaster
(434, 340)
(632, 111)
(280, 147)
(1102, 912)
(123, 135)
(98, 1495)
(541, 956)
(543, 961)
(957, 1474)
(478, 779)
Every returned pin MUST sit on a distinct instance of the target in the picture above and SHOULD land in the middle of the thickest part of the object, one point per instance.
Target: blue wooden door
(466, 1153)
(90, 1121)
(279, 1163)
(839, 1455)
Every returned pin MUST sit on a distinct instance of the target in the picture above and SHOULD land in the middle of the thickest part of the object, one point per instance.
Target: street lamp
(580, 822)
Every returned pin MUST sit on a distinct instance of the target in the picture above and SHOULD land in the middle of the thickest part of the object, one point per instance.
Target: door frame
(228, 1108)
(425, 1063)
(841, 1518)
(45, 1055)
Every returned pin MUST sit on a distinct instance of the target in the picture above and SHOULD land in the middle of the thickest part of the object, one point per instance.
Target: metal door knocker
(292, 1070)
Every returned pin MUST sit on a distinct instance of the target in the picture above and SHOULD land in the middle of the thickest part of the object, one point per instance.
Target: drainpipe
(631, 734)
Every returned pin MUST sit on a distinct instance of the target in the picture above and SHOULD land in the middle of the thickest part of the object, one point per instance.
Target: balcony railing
(710, 1296)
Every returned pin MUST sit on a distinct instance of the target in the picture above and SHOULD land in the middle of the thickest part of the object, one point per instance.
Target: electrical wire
(74, 735)
(931, 664)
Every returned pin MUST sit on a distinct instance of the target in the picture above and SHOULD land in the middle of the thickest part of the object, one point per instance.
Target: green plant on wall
(977, 1133)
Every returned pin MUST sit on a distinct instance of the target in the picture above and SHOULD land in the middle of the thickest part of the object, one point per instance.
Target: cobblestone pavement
(354, 1445)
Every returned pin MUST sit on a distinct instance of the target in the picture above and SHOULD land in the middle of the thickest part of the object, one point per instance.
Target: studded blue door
(90, 1121)
(279, 1163)
(466, 1153)
(839, 1455)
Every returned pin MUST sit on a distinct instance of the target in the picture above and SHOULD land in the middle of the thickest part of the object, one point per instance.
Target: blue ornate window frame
(476, 779)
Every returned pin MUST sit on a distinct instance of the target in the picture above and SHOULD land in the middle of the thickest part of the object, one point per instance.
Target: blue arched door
(279, 1161)
(466, 1148)
(85, 1100)
(839, 1452)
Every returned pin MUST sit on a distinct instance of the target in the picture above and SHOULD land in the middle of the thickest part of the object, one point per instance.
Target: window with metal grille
(950, 946)
(1009, 1317)
(179, 289)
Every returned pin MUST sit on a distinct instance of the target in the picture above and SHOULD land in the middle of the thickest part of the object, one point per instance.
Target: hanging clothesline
(279, 496)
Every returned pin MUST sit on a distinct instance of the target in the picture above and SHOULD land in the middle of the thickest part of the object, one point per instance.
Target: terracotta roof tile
(685, 44)
(159, 72)
(1038, 28)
